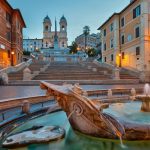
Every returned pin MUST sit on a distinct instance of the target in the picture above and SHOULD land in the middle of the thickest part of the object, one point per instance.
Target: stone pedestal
(69, 60)
(109, 94)
(41, 57)
(116, 74)
(4, 79)
(52, 59)
(145, 76)
(133, 92)
(79, 59)
(27, 74)
(94, 70)
(105, 72)
(145, 106)
(89, 67)
(26, 107)
(142, 77)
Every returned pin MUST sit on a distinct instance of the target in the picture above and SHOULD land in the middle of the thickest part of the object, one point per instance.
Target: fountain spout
(147, 90)
(117, 128)
(145, 98)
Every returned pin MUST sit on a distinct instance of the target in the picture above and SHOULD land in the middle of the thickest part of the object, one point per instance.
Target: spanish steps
(69, 71)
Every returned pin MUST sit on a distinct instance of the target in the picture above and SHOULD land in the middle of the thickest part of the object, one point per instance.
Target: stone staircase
(123, 74)
(60, 72)
(65, 71)
(34, 67)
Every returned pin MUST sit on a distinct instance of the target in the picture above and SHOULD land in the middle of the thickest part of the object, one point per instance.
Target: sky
(77, 12)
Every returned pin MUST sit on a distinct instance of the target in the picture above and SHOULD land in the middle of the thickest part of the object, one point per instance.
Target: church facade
(56, 38)
(49, 36)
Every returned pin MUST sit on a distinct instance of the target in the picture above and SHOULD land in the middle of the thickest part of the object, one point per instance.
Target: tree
(26, 53)
(91, 52)
(86, 32)
(73, 48)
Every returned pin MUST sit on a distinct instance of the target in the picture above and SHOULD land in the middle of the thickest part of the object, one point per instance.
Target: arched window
(46, 28)
(63, 44)
(63, 27)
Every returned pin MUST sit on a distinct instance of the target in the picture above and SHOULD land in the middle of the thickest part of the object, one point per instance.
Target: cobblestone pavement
(24, 91)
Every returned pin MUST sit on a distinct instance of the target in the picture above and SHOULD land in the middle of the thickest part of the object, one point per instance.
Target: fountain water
(119, 133)
(66, 121)
(147, 90)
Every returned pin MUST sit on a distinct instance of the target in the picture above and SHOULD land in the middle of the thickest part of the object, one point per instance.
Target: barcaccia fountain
(102, 119)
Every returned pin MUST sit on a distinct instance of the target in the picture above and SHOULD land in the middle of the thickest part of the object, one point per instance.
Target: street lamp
(12, 58)
(120, 60)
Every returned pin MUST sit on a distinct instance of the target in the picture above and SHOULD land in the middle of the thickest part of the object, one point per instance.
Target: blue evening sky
(78, 13)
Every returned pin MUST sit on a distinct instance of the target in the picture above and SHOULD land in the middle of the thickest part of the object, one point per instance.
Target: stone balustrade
(16, 68)
(94, 69)
(27, 74)
(114, 91)
(18, 102)
(116, 74)
(144, 76)
(104, 65)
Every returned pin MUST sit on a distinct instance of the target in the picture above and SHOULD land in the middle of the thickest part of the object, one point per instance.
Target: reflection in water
(76, 141)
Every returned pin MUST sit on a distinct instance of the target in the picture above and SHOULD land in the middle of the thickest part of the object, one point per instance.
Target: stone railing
(17, 67)
(27, 75)
(104, 65)
(131, 71)
(146, 76)
(18, 102)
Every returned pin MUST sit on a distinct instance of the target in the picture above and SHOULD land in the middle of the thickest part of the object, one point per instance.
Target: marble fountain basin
(41, 134)
(76, 141)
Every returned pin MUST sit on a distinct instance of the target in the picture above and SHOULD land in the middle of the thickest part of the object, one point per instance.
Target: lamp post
(12, 58)
(120, 60)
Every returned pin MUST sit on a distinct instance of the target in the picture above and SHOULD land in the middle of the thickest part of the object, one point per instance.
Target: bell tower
(46, 27)
(63, 24)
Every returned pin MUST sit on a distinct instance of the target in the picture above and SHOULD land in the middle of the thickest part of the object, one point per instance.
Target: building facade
(11, 26)
(126, 37)
(92, 41)
(32, 45)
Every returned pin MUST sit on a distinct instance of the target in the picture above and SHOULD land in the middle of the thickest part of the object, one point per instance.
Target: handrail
(108, 66)
(16, 102)
(16, 68)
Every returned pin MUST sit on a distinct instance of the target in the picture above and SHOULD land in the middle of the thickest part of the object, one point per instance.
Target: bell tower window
(63, 28)
(63, 44)
(46, 28)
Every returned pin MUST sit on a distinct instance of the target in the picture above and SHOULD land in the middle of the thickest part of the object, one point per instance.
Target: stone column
(41, 57)
(69, 60)
(26, 107)
(116, 74)
(27, 74)
(52, 59)
(94, 69)
(79, 59)
(110, 94)
(142, 77)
